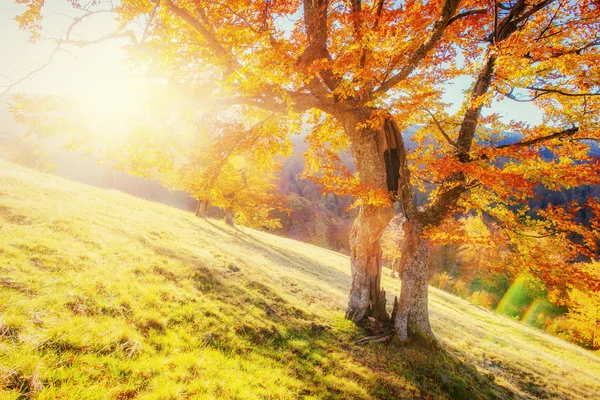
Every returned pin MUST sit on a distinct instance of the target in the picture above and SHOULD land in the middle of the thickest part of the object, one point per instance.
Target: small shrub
(460, 289)
(483, 299)
(441, 280)
(573, 330)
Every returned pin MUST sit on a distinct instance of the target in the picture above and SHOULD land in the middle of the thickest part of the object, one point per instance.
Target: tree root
(383, 331)
(377, 338)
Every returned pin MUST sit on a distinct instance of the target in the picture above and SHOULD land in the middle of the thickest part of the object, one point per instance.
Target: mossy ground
(103, 295)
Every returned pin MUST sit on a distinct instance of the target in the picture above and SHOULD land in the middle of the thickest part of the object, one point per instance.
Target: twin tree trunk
(202, 210)
(376, 157)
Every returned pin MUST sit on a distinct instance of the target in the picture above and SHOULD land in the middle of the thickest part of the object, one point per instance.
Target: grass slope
(103, 295)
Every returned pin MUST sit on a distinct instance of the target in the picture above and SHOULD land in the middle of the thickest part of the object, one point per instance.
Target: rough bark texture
(229, 216)
(412, 315)
(380, 157)
(201, 209)
(366, 298)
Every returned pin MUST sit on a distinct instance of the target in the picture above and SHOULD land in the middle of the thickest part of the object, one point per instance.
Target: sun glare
(110, 105)
(108, 101)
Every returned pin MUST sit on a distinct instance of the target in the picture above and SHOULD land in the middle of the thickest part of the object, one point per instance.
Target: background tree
(217, 160)
(582, 323)
(27, 152)
(374, 68)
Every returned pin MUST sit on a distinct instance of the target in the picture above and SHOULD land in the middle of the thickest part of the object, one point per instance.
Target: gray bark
(412, 316)
(366, 298)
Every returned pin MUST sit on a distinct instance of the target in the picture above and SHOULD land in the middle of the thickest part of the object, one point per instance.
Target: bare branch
(31, 74)
(68, 41)
(532, 142)
(510, 95)
(539, 92)
(561, 92)
(110, 36)
(440, 128)
(78, 20)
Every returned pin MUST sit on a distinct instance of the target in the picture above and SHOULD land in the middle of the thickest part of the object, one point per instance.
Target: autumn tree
(213, 157)
(244, 191)
(582, 323)
(371, 68)
(391, 244)
(26, 151)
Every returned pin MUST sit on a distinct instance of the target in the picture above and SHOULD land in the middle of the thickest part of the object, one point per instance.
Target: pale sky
(70, 74)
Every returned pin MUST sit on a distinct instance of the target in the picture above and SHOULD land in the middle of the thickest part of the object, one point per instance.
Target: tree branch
(435, 213)
(68, 41)
(561, 92)
(532, 142)
(466, 14)
(31, 74)
(506, 28)
(473, 113)
(440, 128)
(542, 92)
(229, 61)
(448, 10)
(315, 21)
(110, 36)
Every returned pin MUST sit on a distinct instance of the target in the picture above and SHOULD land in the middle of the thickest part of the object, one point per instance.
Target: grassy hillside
(103, 295)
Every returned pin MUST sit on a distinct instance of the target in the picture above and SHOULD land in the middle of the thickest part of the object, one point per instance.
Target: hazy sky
(72, 73)
(68, 73)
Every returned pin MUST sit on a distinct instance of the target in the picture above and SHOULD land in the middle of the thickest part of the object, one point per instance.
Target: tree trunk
(395, 267)
(202, 208)
(366, 298)
(229, 215)
(412, 316)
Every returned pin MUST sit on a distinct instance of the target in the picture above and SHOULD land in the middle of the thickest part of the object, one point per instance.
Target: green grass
(106, 296)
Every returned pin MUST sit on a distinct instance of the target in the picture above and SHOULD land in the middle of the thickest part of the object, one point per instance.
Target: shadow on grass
(287, 258)
(283, 258)
(305, 348)
(331, 366)
(327, 361)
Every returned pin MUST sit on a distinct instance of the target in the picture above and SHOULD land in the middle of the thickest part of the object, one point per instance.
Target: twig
(378, 338)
